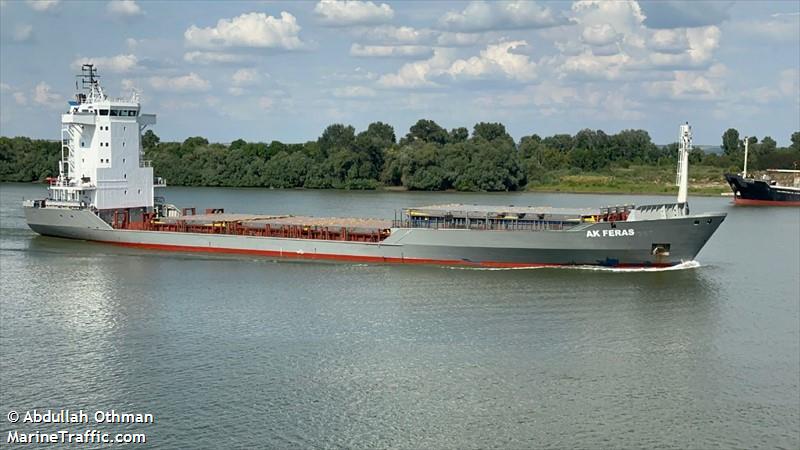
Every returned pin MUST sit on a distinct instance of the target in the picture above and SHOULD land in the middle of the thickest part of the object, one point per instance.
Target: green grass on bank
(703, 180)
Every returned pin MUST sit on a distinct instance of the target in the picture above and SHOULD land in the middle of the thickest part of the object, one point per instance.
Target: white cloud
(789, 83)
(389, 51)
(22, 33)
(496, 60)
(600, 35)
(623, 17)
(4, 87)
(454, 39)
(20, 98)
(350, 12)
(43, 96)
(116, 64)
(128, 85)
(244, 77)
(124, 8)
(256, 30)
(265, 103)
(592, 66)
(684, 48)
(610, 41)
(548, 94)
(404, 35)
(484, 16)
(235, 91)
(672, 41)
(42, 5)
(354, 92)
(358, 74)
(416, 74)
(687, 85)
(186, 83)
(390, 34)
(131, 43)
(206, 58)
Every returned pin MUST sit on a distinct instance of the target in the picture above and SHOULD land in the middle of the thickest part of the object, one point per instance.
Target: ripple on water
(288, 354)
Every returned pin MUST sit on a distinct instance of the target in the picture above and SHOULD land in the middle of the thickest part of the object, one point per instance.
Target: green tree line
(428, 157)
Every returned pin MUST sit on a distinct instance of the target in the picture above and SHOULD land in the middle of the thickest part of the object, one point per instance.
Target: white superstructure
(102, 165)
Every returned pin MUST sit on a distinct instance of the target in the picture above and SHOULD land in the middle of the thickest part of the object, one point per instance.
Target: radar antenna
(89, 82)
(88, 76)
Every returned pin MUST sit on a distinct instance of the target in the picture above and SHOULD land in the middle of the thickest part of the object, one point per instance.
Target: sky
(266, 71)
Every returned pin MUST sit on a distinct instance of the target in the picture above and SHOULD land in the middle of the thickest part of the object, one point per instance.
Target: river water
(240, 351)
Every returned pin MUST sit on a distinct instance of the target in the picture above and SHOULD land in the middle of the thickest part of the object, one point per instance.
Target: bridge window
(114, 112)
(103, 112)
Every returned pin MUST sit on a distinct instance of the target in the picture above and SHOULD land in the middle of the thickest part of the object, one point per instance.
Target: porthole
(709, 221)
(697, 222)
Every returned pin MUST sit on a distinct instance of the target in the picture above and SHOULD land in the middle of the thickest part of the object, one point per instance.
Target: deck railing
(484, 224)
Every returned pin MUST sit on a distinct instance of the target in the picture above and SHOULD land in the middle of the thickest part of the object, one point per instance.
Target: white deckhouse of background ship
(105, 192)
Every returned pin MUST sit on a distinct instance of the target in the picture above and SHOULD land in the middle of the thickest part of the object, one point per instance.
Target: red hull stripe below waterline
(750, 202)
(352, 258)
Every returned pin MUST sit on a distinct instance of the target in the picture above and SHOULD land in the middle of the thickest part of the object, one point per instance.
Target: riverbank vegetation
(429, 157)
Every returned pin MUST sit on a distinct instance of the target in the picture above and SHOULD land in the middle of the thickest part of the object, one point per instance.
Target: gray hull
(629, 243)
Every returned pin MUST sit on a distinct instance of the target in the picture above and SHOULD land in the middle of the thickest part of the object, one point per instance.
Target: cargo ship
(764, 191)
(107, 192)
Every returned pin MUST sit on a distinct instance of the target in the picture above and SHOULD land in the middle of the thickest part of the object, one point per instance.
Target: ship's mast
(683, 162)
(89, 82)
(746, 142)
